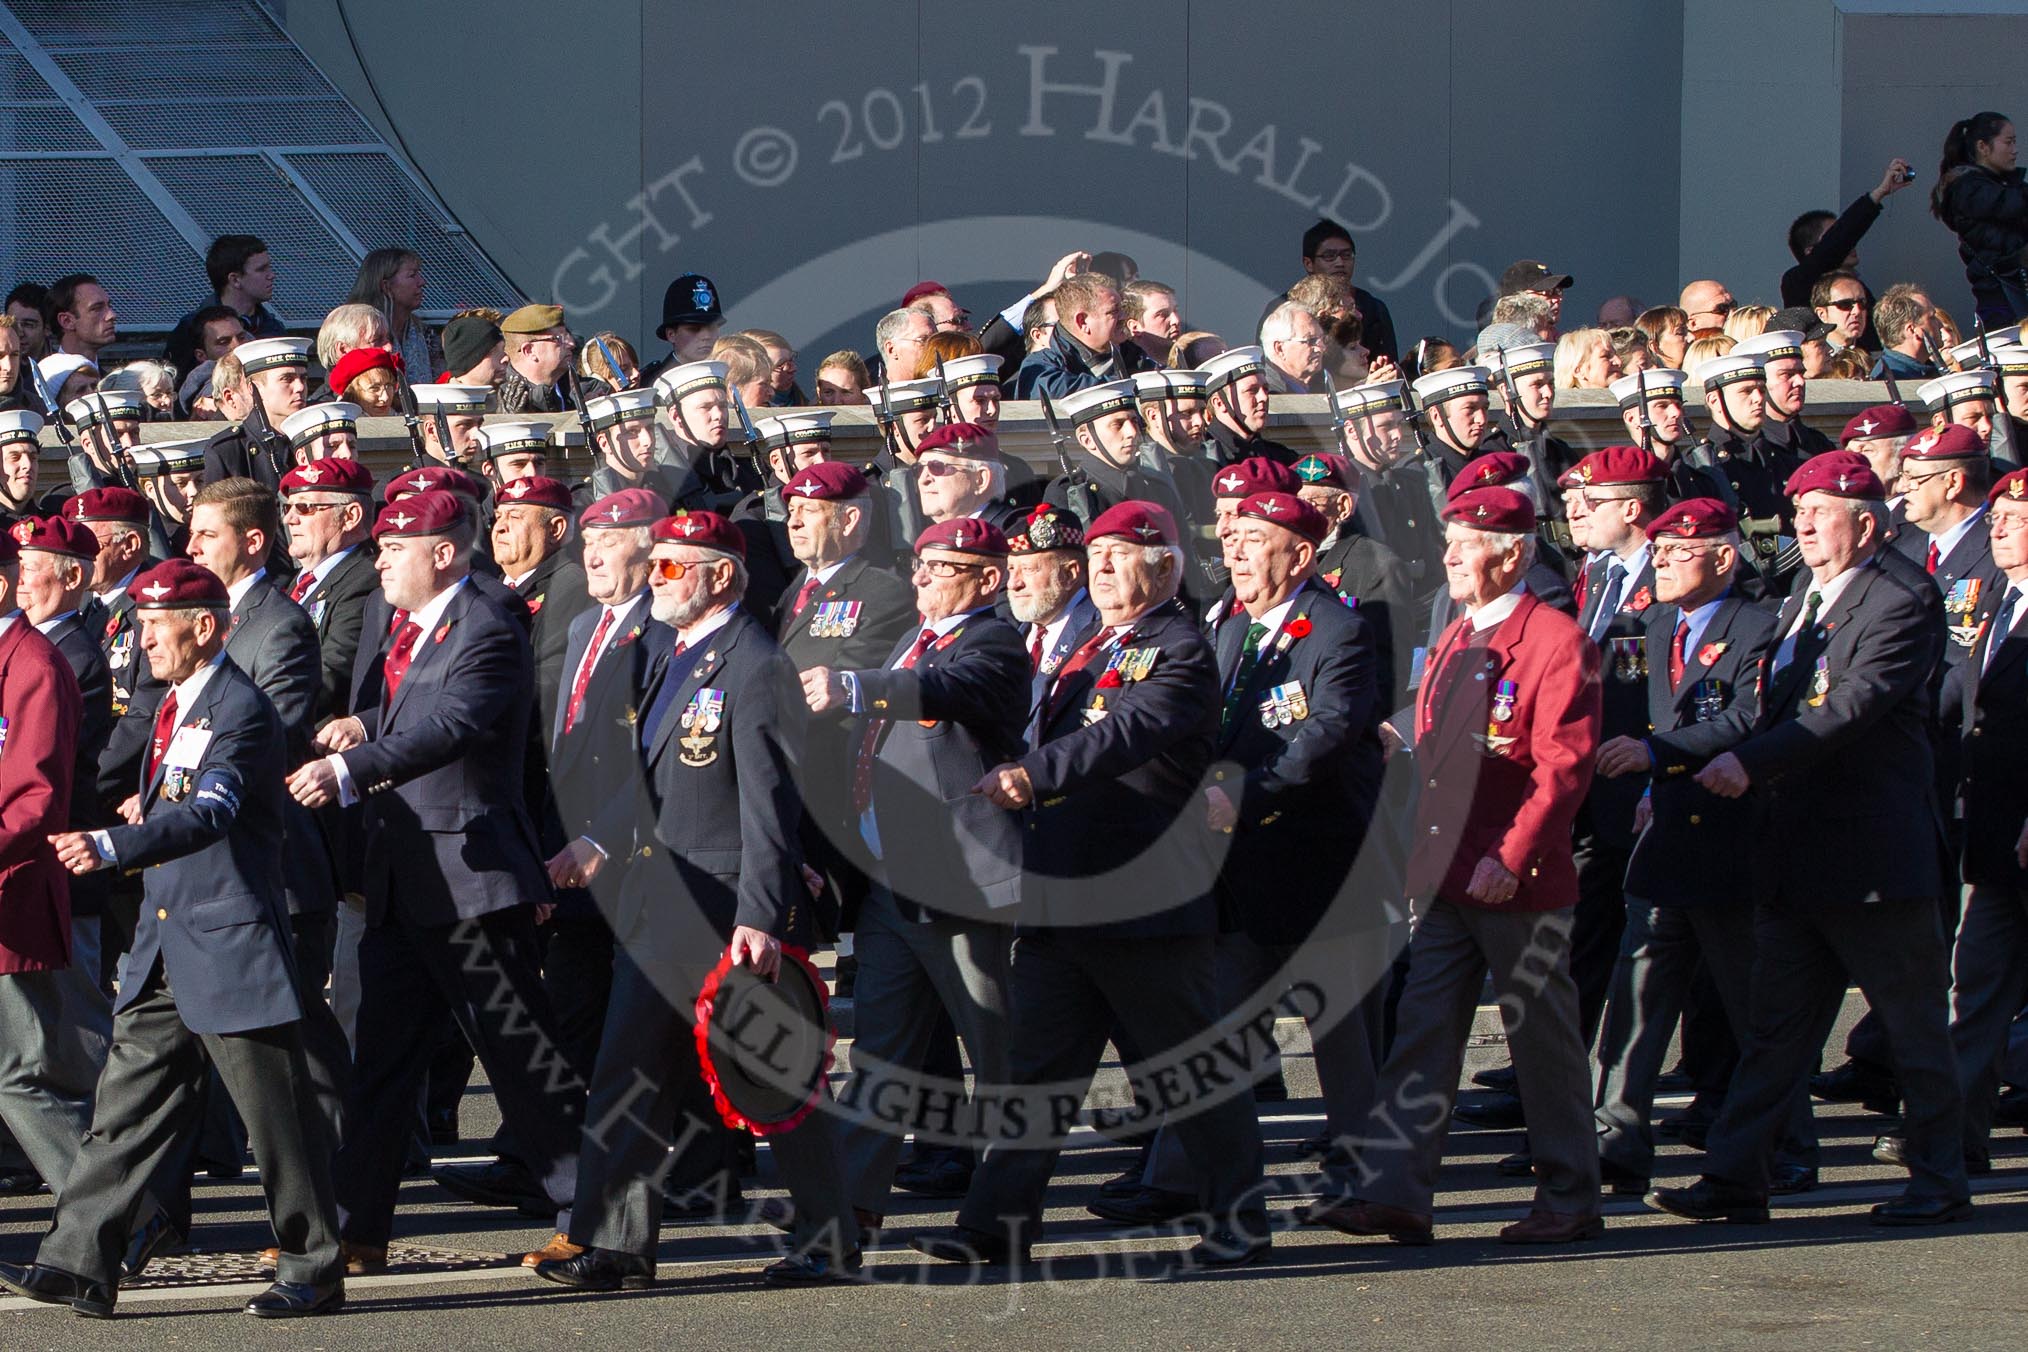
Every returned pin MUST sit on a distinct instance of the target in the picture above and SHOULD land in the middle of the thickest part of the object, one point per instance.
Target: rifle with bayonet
(1077, 485)
(946, 407)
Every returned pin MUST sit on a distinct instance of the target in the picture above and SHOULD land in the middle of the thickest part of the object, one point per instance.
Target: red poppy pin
(534, 605)
(112, 626)
(443, 632)
(1331, 578)
(1710, 653)
(1109, 679)
(1642, 600)
(1299, 627)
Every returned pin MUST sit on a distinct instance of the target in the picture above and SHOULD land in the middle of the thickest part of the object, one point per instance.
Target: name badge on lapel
(700, 720)
(1284, 705)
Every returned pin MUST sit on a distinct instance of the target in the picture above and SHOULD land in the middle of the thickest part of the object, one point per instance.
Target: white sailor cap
(1959, 387)
(106, 406)
(1167, 386)
(2011, 360)
(1773, 345)
(690, 377)
(2015, 363)
(2007, 337)
(1453, 383)
(1380, 396)
(1657, 382)
(566, 434)
(510, 438)
(610, 409)
(169, 457)
(1730, 369)
(903, 396)
(1233, 364)
(1094, 402)
(307, 424)
(451, 400)
(265, 354)
(58, 367)
(18, 424)
(796, 429)
(1521, 359)
(981, 368)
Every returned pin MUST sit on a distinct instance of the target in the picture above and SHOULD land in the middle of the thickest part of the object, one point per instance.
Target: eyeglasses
(939, 468)
(1674, 553)
(295, 508)
(1305, 342)
(1913, 479)
(1849, 303)
(958, 320)
(1333, 256)
(675, 570)
(941, 567)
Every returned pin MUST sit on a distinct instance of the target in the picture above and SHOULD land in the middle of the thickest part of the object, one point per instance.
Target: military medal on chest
(1961, 608)
(700, 720)
(1630, 659)
(1284, 705)
(1708, 698)
(1820, 683)
(835, 619)
(1493, 740)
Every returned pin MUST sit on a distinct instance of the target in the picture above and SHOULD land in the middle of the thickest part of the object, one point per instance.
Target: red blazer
(41, 706)
(1503, 772)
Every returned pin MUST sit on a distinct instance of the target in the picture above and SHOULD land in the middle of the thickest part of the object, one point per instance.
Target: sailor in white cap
(1969, 398)
(973, 384)
(506, 451)
(169, 474)
(1524, 372)
(1751, 475)
(700, 417)
(108, 425)
(1236, 392)
(906, 410)
(1782, 361)
(1457, 403)
(20, 462)
(1108, 472)
(458, 409)
(323, 432)
(1400, 506)
(623, 424)
(1173, 418)
(278, 370)
(64, 376)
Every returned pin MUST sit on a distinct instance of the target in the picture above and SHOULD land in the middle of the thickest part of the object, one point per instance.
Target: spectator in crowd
(1705, 304)
(1704, 349)
(205, 335)
(946, 315)
(1330, 300)
(1038, 323)
(1528, 309)
(605, 356)
(1294, 343)
(352, 325)
(1153, 321)
(154, 381)
(898, 339)
(1748, 321)
(1531, 278)
(17, 371)
(1431, 354)
(24, 307)
(66, 377)
(747, 369)
(80, 317)
(1630, 349)
(1086, 350)
(1847, 363)
(1906, 323)
(391, 281)
(1668, 331)
(1619, 312)
(1842, 301)
(242, 276)
(475, 352)
(366, 376)
(782, 390)
(232, 393)
(1823, 243)
(1328, 250)
(1585, 361)
(1194, 349)
(540, 349)
(842, 378)
(1980, 196)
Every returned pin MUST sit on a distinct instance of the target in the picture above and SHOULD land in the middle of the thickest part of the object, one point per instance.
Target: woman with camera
(1980, 195)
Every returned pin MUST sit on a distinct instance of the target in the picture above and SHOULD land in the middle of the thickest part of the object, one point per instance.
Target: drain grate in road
(223, 1269)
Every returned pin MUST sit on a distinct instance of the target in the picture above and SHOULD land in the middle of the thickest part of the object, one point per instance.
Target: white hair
(1280, 324)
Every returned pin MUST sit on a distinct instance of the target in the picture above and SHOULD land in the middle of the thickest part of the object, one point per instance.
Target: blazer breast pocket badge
(700, 720)
(1284, 705)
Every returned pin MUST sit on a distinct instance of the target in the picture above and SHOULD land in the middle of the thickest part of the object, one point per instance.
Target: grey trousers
(646, 1078)
(1528, 953)
(907, 968)
(1991, 985)
(1355, 970)
(54, 1031)
(1659, 953)
(149, 1102)
(1894, 951)
(1068, 990)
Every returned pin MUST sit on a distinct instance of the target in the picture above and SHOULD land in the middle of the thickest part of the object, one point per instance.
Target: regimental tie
(2002, 625)
(165, 725)
(1035, 650)
(803, 596)
(1806, 621)
(584, 671)
(304, 581)
(399, 655)
(869, 740)
(1676, 660)
(1249, 655)
(1932, 558)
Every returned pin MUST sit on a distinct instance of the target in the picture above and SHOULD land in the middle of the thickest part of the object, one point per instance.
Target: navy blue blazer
(212, 910)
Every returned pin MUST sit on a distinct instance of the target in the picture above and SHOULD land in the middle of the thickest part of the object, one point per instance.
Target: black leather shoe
(497, 1183)
(1786, 1180)
(21, 1183)
(1123, 1185)
(962, 1244)
(1709, 1200)
(1491, 1111)
(1149, 1206)
(54, 1286)
(1224, 1248)
(1501, 1078)
(2009, 1110)
(1907, 1210)
(1520, 1164)
(142, 1247)
(1621, 1182)
(1853, 1083)
(298, 1300)
(599, 1270)
(812, 1269)
(946, 1177)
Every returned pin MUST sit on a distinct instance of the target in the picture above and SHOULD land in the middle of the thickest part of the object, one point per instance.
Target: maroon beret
(428, 513)
(1492, 469)
(967, 535)
(1495, 509)
(437, 477)
(2012, 486)
(56, 535)
(1882, 420)
(1288, 511)
(706, 530)
(357, 363)
(108, 504)
(1145, 523)
(176, 583)
(537, 491)
(966, 441)
(1952, 441)
(334, 475)
(921, 289)
(628, 507)
(1256, 474)
(1695, 519)
(1615, 467)
(828, 481)
(1842, 474)
(1047, 528)
(1328, 469)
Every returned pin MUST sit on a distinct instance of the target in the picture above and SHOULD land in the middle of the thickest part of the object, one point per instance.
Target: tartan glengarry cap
(335, 475)
(831, 481)
(1492, 509)
(1289, 512)
(965, 535)
(628, 507)
(1842, 474)
(1047, 528)
(1255, 474)
(706, 530)
(433, 512)
(537, 491)
(1696, 519)
(1144, 523)
(177, 583)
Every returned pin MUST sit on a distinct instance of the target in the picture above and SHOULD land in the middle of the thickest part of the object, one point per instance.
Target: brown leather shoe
(1553, 1227)
(558, 1248)
(363, 1259)
(1354, 1217)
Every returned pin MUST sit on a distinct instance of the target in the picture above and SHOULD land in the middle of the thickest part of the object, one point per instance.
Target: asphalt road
(1818, 1276)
